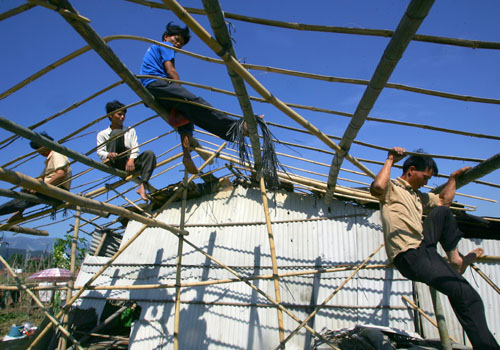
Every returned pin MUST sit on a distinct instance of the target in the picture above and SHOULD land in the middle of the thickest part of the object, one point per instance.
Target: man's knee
(149, 155)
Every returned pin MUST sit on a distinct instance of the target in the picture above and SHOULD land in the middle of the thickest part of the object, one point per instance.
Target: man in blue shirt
(160, 62)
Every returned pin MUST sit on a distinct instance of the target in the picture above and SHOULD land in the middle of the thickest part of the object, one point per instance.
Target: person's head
(176, 35)
(117, 117)
(40, 149)
(418, 169)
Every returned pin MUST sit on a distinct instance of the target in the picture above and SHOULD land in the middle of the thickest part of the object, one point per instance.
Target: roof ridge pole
(255, 84)
(274, 261)
(484, 168)
(108, 55)
(412, 19)
(218, 24)
(179, 265)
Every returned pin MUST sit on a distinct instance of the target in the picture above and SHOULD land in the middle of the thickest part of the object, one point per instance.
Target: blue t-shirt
(152, 63)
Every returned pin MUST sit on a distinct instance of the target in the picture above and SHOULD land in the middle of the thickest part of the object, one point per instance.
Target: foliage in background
(62, 251)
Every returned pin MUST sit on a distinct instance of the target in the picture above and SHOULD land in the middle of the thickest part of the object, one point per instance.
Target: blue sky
(38, 37)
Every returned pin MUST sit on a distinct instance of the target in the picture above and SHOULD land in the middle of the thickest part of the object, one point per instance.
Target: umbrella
(51, 275)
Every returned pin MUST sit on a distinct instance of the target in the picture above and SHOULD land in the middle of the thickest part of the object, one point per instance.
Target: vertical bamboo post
(47, 313)
(441, 321)
(272, 248)
(304, 323)
(71, 283)
(179, 266)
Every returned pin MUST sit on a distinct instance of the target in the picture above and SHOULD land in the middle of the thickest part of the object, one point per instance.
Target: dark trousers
(215, 122)
(424, 264)
(145, 163)
(16, 204)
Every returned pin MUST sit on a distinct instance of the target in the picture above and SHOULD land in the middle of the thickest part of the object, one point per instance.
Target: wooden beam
(415, 14)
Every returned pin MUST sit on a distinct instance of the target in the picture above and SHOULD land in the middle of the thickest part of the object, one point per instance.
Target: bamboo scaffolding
(272, 248)
(204, 283)
(53, 320)
(317, 308)
(122, 249)
(474, 44)
(423, 313)
(408, 26)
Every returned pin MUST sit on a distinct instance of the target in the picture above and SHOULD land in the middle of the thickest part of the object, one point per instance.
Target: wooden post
(272, 248)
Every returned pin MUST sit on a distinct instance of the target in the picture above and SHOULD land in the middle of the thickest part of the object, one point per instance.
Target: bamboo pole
(15, 11)
(26, 230)
(441, 321)
(74, 16)
(486, 278)
(72, 269)
(489, 165)
(218, 24)
(272, 248)
(121, 250)
(422, 312)
(415, 14)
(42, 141)
(317, 308)
(254, 83)
(179, 267)
(48, 314)
(53, 191)
(268, 297)
(206, 283)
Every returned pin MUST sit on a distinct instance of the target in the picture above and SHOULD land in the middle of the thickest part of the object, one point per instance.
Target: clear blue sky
(38, 37)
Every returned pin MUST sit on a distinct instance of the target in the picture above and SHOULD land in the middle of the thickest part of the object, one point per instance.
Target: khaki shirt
(401, 208)
(53, 162)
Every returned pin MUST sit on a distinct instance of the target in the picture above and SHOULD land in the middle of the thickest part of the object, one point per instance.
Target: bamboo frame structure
(239, 74)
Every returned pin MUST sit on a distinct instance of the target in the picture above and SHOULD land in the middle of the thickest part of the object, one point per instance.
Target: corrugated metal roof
(230, 227)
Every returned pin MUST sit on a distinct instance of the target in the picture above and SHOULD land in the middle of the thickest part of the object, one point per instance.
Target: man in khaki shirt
(57, 172)
(411, 244)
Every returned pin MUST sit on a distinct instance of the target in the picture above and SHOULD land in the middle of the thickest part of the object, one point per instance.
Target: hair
(114, 105)
(174, 29)
(421, 162)
(35, 145)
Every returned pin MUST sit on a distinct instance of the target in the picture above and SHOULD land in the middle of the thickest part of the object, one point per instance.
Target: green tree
(16, 260)
(62, 251)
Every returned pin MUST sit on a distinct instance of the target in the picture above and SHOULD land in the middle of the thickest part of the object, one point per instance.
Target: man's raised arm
(382, 179)
(448, 192)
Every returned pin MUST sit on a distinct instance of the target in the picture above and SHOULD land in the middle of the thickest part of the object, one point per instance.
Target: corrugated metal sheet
(233, 315)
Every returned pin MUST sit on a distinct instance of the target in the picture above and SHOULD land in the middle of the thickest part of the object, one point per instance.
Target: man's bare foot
(18, 215)
(190, 167)
(245, 126)
(141, 191)
(460, 262)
